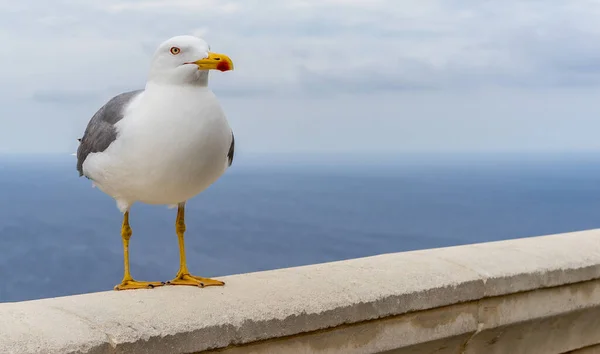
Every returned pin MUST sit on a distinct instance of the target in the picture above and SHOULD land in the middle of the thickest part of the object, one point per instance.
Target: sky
(320, 76)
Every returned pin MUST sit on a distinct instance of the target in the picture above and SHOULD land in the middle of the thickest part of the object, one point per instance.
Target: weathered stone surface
(551, 320)
(367, 305)
(595, 349)
(529, 263)
(429, 331)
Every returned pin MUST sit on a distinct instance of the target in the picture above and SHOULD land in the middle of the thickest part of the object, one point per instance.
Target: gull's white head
(186, 60)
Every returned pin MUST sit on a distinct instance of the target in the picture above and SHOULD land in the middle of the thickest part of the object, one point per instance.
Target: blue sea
(59, 236)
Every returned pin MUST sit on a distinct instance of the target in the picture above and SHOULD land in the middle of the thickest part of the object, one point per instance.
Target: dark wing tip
(231, 149)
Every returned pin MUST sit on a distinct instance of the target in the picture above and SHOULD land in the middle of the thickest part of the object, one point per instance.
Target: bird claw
(131, 284)
(192, 280)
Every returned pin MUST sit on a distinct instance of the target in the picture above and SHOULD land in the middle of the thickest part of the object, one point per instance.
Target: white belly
(166, 152)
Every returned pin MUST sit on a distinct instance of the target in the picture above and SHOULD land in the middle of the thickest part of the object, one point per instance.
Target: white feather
(172, 144)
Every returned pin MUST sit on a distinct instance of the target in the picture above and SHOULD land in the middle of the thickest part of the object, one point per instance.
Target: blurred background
(362, 127)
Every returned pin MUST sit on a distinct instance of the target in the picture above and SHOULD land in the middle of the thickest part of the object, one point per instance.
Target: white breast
(171, 145)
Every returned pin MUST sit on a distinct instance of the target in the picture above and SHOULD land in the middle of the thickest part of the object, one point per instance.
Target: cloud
(212, 6)
(64, 96)
(440, 44)
(300, 51)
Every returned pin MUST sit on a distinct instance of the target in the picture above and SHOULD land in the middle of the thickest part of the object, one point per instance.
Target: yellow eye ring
(175, 50)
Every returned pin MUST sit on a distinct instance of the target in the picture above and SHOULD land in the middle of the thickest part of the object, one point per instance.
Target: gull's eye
(175, 50)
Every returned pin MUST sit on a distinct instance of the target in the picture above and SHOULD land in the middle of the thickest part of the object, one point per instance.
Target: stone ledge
(469, 292)
(544, 321)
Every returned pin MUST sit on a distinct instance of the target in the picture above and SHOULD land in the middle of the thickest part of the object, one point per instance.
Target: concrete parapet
(532, 295)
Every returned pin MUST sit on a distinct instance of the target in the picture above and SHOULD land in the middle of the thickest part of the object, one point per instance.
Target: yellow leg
(183, 276)
(128, 282)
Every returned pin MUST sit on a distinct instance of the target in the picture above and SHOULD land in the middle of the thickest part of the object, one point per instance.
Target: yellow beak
(215, 61)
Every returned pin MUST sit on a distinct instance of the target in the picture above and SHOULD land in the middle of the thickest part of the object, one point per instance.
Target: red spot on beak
(223, 66)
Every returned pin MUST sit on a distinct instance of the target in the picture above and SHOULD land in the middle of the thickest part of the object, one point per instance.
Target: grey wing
(101, 131)
(231, 150)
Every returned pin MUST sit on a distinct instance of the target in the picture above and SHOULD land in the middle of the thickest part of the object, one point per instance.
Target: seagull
(161, 145)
